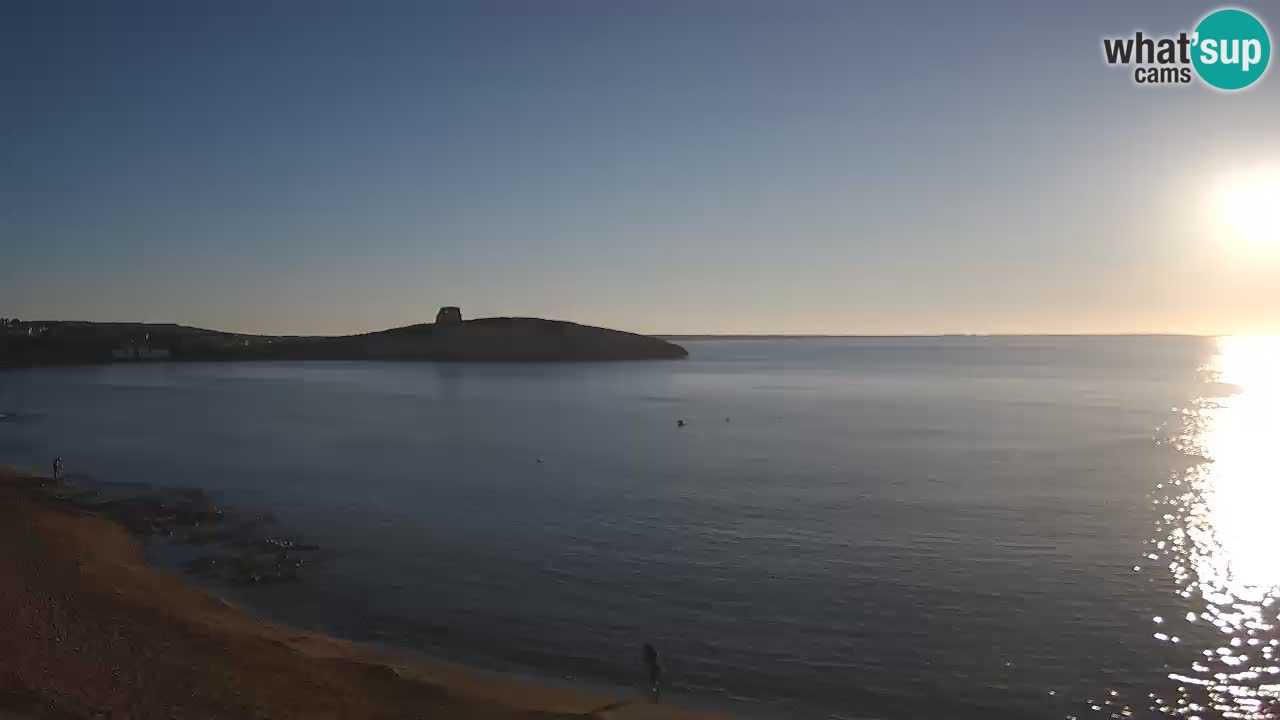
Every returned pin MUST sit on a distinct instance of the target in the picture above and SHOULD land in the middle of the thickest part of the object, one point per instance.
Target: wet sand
(89, 630)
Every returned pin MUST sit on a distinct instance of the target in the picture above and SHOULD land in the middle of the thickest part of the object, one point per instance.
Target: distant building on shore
(449, 315)
(140, 351)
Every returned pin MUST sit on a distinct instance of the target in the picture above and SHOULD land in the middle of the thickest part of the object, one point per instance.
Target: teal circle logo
(1232, 49)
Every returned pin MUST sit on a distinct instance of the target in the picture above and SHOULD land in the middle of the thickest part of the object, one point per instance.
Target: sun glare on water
(1249, 205)
(1218, 533)
(1242, 440)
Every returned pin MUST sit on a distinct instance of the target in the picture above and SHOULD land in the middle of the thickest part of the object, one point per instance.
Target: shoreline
(450, 338)
(90, 629)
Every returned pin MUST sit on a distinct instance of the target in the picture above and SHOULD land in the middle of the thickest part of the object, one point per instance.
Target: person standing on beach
(654, 667)
(57, 469)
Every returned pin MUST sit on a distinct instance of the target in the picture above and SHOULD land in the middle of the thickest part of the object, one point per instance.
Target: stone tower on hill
(449, 315)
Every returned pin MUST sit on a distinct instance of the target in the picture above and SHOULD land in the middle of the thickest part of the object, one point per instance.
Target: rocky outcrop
(503, 339)
(507, 339)
(518, 340)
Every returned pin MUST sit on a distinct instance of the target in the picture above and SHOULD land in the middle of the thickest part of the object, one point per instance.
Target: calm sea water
(880, 528)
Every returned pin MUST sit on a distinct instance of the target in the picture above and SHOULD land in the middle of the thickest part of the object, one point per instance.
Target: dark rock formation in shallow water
(221, 546)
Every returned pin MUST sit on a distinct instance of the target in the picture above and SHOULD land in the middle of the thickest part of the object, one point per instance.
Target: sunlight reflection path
(1217, 534)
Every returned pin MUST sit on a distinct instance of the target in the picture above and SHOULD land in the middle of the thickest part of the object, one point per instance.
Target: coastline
(493, 339)
(91, 630)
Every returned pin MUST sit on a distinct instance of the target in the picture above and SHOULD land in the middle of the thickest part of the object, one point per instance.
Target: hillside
(502, 339)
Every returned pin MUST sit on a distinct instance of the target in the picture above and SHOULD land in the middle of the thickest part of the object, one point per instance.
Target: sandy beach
(89, 630)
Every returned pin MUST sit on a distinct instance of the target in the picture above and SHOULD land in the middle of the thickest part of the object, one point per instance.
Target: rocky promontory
(449, 338)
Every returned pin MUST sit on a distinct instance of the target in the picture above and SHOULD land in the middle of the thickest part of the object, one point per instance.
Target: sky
(800, 167)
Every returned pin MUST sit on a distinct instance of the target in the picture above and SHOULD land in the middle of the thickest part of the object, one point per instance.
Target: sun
(1249, 206)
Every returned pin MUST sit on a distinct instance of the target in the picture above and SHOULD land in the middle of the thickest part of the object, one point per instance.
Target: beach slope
(88, 630)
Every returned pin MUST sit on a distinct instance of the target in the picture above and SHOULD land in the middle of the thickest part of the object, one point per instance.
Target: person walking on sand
(57, 469)
(654, 666)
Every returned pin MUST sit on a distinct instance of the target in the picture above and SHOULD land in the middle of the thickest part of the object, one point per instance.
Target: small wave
(13, 416)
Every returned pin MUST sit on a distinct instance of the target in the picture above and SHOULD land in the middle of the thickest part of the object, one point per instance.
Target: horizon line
(800, 336)
(713, 335)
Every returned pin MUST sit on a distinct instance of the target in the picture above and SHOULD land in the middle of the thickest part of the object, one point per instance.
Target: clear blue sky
(666, 167)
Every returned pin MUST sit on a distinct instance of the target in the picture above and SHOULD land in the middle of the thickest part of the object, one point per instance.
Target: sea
(925, 527)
